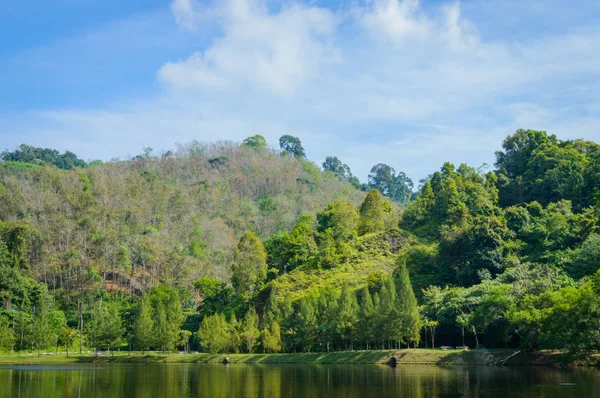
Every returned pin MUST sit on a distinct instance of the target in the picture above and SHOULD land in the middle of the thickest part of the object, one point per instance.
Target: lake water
(274, 381)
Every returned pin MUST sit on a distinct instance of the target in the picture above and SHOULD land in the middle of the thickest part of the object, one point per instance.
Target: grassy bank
(410, 356)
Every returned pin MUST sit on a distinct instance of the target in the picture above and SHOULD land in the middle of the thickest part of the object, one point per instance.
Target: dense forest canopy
(231, 247)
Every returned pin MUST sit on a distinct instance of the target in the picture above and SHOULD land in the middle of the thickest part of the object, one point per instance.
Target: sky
(404, 82)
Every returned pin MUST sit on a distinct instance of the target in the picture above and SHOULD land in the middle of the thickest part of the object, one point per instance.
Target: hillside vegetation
(228, 247)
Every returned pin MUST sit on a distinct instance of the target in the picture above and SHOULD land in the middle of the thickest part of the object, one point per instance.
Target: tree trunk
(81, 328)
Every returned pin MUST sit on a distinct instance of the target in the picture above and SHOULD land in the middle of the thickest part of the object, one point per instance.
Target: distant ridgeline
(229, 247)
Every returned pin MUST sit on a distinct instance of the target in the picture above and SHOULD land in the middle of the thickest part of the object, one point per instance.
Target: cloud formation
(375, 81)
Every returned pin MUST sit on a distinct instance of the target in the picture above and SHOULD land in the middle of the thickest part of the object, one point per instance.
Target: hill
(172, 218)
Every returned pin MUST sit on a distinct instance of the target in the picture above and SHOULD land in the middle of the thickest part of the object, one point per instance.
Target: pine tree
(272, 338)
(175, 318)
(387, 314)
(287, 322)
(113, 327)
(160, 325)
(306, 321)
(272, 313)
(372, 212)
(214, 333)
(347, 316)
(41, 335)
(250, 331)
(144, 325)
(234, 334)
(366, 317)
(327, 313)
(407, 306)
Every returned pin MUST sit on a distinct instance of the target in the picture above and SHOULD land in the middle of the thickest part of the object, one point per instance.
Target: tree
(256, 142)
(326, 312)
(68, 335)
(250, 265)
(250, 331)
(214, 333)
(291, 146)
(7, 336)
(174, 316)
(372, 212)
(432, 325)
(112, 331)
(336, 231)
(34, 155)
(271, 313)
(42, 337)
(334, 165)
(234, 334)
(160, 325)
(384, 179)
(366, 317)
(306, 323)
(272, 338)
(587, 257)
(106, 326)
(407, 306)
(347, 316)
(56, 323)
(144, 324)
(185, 340)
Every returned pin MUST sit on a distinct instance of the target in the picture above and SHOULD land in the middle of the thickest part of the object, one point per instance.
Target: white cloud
(277, 51)
(383, 81)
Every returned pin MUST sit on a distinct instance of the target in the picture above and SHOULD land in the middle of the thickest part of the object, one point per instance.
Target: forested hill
(156, 250)
(178, 215)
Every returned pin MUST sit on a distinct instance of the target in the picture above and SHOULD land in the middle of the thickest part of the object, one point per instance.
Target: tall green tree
(272, 338)
(272, 313)
(306, 323)
(249, 266)
(250, 330)
(366, 317)
(214, 333)
(175, 318)
(372, 213)
(407, 307)
(144, 324)
(291, 146)
(347, 316)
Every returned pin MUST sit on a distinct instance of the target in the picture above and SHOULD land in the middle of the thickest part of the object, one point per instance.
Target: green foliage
(384, 179)
(250, 331)
(144, 325)
(249, 266)
(214, 334)
(587, 258)
(372, 213)
(335, 166)
(272, 338)
(33, 155)
(291, 146)
(336, 231)
(256, 141)
(106, 326)
(7, 336)
(410, 322)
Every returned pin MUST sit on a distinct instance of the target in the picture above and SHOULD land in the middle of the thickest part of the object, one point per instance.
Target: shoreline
(481, 357)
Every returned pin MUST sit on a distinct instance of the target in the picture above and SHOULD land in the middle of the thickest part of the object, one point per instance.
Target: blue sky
(408, 83)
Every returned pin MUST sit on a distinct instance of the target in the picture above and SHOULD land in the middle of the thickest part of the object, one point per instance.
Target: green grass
(407, 356)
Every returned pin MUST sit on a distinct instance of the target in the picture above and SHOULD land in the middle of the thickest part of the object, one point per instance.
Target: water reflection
(275, 381)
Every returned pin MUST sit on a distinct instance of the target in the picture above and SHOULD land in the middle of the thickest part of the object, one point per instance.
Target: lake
(238, 380)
